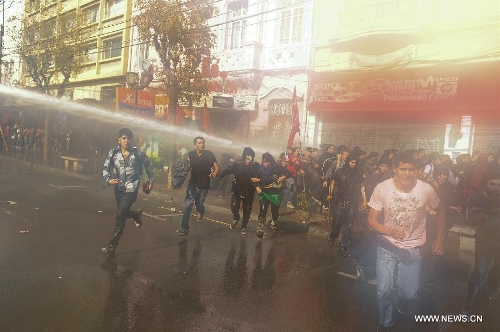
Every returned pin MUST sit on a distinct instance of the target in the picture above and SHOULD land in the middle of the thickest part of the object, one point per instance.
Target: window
(91, 14)
(114, 7)
(48, 29)
(68, 21)
(91, 52)
(290, 23)
(112, 48)
(34, 5)
(238, 25)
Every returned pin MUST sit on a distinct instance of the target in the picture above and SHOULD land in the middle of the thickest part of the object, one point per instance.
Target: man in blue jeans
(203, 167)
(403, 201)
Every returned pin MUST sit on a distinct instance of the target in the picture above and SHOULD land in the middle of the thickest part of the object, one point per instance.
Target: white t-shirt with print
(406, 210)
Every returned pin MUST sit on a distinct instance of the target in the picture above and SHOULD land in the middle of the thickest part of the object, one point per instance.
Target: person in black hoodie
(269, 186)
(346, 189)
(242, 189)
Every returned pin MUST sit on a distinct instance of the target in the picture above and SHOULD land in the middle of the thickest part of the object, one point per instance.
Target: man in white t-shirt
(403, 202)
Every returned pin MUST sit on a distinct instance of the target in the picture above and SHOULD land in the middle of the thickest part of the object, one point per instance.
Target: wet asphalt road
(55, 278)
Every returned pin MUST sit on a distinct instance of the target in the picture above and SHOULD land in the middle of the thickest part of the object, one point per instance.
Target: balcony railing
(243, 58)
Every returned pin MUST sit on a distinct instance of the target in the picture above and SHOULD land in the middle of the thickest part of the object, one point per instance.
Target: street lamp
(133, 82)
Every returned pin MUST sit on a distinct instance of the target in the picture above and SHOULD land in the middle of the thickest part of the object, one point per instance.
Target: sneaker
(109, 249)
(243, 231)
(200, 217)
(273, 227)
(138, 221)
(290, 205)
(182, 232)
(234, 224)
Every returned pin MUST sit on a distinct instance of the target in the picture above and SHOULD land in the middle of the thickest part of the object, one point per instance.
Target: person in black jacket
(269, 186)
(242, 189)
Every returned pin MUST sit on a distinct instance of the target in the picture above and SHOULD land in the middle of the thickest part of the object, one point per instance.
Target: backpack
(180, 171)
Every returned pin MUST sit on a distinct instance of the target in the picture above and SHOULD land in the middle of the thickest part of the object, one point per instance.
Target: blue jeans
(408, 281)
(196, 196)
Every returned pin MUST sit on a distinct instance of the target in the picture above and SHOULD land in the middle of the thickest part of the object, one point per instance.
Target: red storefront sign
(469, 87)
(135, 102)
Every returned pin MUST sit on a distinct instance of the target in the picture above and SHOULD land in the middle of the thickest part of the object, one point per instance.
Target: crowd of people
(406, 200)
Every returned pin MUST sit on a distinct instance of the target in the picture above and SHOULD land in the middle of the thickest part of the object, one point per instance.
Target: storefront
(407, 108)
(229, 114)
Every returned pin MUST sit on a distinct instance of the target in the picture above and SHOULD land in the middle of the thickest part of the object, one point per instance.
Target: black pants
(264, 205)
(246, 201)
(124, 201)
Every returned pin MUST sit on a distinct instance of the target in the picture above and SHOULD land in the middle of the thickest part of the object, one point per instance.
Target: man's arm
(373, 217)
(215, 171)
(438, 245)
(106, 171)
(363, 194)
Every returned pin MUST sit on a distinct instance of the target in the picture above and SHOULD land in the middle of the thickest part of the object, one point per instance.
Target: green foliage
(180, 34)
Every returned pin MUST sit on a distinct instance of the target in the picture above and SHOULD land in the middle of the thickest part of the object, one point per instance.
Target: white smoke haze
(30, 101)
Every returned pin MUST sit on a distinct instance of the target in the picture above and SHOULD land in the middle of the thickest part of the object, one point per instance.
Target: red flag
(179, 115)
(205, 121)
(295, 119)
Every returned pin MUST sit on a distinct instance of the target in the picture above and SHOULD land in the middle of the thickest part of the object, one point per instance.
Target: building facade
(107, 49)
(406, 74)
(263, 52)
(10, 62)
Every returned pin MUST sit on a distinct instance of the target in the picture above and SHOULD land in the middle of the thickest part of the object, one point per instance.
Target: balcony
(243, 58)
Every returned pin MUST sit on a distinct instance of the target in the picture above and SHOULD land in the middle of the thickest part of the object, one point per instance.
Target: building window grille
(112, 48)
(238, 25)
(290, 22)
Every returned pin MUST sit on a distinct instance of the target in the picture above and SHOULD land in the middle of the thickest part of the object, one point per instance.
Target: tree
(180, 34)
(51, 44)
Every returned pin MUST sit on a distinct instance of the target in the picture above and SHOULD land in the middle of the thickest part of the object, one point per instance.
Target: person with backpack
(204, 167)
(123, 171)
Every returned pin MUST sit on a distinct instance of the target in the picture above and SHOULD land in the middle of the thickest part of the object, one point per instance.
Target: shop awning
(469, 87)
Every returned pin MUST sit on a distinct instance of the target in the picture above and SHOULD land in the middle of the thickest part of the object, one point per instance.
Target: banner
(469, 86)
(135, 102)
